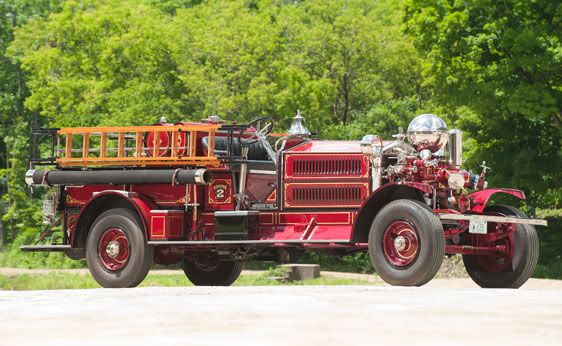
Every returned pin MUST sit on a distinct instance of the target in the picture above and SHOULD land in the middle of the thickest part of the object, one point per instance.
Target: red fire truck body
(212, 196)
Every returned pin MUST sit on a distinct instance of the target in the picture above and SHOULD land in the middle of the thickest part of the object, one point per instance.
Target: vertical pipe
(376, 172)
(243, 174)
(455, 147)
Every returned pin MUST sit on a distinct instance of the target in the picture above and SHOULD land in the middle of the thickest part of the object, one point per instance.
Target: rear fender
(479, 199)
(381, 197)
(104, 201)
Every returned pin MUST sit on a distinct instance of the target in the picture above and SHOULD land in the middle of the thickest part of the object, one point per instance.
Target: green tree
(100, 62)
(331, 59)
(502, 60)
(16, 209)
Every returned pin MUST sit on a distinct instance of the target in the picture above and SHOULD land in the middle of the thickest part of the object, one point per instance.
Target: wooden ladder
(166, 145)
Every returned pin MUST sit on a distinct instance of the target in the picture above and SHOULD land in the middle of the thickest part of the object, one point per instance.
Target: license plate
(478, 227)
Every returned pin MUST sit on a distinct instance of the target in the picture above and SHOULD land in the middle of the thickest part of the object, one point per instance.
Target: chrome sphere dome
(428, 131)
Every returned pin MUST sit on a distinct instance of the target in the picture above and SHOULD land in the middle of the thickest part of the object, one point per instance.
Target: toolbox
(235, 224)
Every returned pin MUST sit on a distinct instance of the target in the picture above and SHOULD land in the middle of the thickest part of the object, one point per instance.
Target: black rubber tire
(224, 274)
(141, 254)
(431, 243)
(523, 263)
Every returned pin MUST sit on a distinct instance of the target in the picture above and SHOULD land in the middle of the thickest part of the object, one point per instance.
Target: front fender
(479, 199)
(381, 197)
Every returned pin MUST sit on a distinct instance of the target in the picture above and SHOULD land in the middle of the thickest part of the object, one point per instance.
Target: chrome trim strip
(261, 171)
(492, 218)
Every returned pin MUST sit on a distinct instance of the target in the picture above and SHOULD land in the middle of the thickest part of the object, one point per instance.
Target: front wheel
(510, 270)
(406, 243)
(210, 271)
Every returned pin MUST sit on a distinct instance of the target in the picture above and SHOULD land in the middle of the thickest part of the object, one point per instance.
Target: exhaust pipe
(118, 177)
(455, 148)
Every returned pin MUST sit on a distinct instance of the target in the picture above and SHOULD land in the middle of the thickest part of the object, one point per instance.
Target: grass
(57, 281)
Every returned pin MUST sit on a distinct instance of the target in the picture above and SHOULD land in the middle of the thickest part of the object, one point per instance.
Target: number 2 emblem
(219, 193)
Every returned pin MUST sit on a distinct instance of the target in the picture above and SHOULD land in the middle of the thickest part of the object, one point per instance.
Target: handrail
(101, 129)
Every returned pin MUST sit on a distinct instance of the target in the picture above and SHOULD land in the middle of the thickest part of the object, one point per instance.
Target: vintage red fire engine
(211, 196)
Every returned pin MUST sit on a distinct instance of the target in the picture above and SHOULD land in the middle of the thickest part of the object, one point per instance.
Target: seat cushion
(256, 150)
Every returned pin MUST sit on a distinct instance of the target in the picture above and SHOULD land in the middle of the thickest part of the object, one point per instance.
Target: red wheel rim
(206, 263)
(493, 263)
(400, 243)
(113, 249)
(500, 262)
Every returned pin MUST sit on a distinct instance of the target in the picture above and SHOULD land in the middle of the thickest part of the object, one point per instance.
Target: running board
(247, 242)
(493, 218)
(45, 248)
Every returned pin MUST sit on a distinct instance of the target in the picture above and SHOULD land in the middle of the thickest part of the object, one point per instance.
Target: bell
(297, 126)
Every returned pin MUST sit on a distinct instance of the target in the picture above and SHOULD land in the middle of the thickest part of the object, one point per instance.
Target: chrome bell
(428, 131)
(297, 126)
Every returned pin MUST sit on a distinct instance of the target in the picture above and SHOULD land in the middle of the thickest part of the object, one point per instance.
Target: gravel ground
(286, 315)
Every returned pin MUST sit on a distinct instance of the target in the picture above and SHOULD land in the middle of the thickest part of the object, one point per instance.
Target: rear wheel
(510, 270)
(406, 243)
(208, 270)
(116, 250)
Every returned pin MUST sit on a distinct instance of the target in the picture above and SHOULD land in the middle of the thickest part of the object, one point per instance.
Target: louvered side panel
(326, 166)
(325, 195)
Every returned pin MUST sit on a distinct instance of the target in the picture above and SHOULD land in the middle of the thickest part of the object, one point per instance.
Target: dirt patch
(452, 268)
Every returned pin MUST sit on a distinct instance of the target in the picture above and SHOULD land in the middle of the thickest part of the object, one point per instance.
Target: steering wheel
(263, 126)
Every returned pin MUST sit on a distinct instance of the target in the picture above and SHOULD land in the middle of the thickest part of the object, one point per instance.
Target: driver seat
(256, 150)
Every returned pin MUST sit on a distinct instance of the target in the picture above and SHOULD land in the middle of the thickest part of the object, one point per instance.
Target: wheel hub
(113, 249)
(400, 243)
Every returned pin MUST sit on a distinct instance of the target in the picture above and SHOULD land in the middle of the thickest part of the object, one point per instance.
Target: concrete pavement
(286, 315)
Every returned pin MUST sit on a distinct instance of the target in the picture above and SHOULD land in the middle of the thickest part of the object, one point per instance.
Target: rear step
(45, 248)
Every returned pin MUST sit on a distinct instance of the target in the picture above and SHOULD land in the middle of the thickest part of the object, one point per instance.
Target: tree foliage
(501, 61)
(127, 62)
